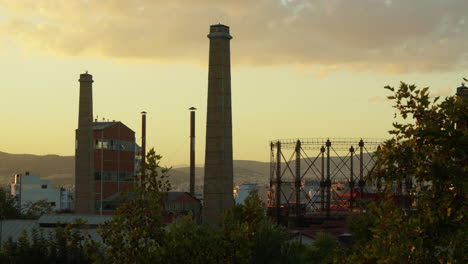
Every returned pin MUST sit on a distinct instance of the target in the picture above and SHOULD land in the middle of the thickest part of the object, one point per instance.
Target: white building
(31, 188)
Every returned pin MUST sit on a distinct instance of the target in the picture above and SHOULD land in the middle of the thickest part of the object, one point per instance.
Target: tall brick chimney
(218, 180)
(84, 161)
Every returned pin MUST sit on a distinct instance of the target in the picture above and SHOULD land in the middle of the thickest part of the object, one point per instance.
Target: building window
(109, 176)
(115, 144)
(44, 186)
(127, 176)
(52, 203)
(102, 144)
(114, 176)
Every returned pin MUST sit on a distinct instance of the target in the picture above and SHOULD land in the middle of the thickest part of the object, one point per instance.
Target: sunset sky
(300, 68)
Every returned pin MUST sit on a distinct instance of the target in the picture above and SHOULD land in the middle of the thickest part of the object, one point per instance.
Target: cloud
(363, 35)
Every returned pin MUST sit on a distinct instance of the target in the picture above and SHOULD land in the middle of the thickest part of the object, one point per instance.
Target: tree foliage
(428, 152)
(245, 235)
(323, 249)
(62, 245)
(137, 228)
(34, 210)
(9, 208)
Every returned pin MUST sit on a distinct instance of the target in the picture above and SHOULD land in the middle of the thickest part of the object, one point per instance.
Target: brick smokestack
(218, 180)
(84, 160)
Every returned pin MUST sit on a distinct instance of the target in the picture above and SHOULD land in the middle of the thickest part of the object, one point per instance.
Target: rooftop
(103, 125)
(72, 218)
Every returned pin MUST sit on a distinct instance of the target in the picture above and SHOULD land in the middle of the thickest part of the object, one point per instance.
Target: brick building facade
(115, 159)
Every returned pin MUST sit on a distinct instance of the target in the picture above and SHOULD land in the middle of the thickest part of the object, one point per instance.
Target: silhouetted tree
(430, 147)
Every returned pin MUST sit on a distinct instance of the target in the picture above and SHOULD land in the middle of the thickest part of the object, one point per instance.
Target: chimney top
(219, 31)
(86, 77)
(462, 91)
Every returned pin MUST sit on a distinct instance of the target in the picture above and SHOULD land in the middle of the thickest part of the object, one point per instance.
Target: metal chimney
(143, 141)
(192, 151)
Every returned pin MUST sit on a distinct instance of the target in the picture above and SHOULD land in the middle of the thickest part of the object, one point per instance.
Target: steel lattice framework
(319, 176)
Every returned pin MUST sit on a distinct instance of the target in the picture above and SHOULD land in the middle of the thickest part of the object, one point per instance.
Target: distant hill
(60, 170)
(245, 171)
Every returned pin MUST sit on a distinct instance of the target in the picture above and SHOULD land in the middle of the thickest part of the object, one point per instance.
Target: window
(113, 176)
(44, 186)
(52, 204)
(115, 144)
(101, 144)
(97, 176)
(127, 176)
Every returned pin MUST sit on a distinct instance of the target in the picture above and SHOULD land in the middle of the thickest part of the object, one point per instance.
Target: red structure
(114, 163)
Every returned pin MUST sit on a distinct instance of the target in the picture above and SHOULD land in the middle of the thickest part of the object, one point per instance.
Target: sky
(300, 68)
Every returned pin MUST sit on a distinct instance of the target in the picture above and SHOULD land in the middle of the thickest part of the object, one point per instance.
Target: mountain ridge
(60, 170)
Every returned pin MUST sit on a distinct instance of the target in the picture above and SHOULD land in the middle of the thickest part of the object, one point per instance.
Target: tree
(34, 210)
(137, 229)
(244, 235)
(428, 151)
(359, 225)
(323, 248)
(9, 208)
(63, 245)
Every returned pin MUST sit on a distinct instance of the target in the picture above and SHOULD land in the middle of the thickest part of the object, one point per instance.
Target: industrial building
(115, 160)
(105, 157)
